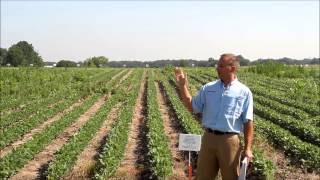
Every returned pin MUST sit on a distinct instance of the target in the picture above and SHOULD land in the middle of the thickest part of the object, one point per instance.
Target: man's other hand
(248, 154)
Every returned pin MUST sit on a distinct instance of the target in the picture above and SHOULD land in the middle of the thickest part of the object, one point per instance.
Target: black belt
(218, 132)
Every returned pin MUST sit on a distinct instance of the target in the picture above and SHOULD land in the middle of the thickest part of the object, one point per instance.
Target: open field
(77, 123)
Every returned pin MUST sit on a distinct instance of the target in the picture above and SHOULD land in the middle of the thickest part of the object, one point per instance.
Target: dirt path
(28, 136)
(283, 168)
(133, 163)
(121, 73)
(40, 161)
(88, 158)
(172, 132)
(125, 76)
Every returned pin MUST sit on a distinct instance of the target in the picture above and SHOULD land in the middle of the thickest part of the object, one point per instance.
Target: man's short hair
(234, 58)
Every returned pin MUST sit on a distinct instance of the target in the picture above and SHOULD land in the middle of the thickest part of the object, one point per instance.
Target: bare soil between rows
(39, 128)
(35, 168)
(284, 169)
(172, 129)
(83, 168)
(135, 164)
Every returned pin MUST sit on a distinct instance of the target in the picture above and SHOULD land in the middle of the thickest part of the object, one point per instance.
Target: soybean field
(124, 123)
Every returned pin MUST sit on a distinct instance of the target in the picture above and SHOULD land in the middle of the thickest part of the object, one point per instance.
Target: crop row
(19, 156)
(281, 108)
(306, 154)
(294, 92)
(117, 138)
(299, 128)
(35, 108)
(67, 86)
(67, 155)
(16, 159)
(187, 121)
(312, 109)
(28, 110)
(284, 84)
(51, 79)
(161, 158)
(17, 130)
(16, 88)
(49, 84)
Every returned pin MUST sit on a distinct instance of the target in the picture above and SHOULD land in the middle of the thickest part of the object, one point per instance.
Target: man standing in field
(227, 109)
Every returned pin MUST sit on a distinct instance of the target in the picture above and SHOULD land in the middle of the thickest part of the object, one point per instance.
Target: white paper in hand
(243, 169)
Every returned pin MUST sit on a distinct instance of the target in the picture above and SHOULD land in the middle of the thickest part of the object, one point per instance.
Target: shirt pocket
(212, 99)
(233, 106)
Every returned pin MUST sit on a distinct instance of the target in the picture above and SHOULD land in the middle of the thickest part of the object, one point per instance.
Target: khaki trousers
(219, 152)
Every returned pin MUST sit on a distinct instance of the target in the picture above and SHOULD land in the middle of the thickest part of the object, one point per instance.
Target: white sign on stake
(189, 142)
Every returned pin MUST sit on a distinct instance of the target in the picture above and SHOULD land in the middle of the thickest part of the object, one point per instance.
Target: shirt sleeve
(247, 113)
(198, 101)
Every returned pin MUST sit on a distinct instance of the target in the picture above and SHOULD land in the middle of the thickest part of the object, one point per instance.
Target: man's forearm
(248, 135)
(186, 97)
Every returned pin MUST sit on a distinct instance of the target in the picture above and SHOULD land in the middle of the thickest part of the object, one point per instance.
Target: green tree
(243, 61)
(23, 54)
(183, 63)
(15, 56)
(212, 62)
(96, 61)
(3, 56)
(66, 63)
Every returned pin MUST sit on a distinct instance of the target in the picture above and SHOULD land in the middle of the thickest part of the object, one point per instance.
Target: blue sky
(144, 30)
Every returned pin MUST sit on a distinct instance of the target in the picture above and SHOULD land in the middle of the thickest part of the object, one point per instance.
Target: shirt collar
(233, 82)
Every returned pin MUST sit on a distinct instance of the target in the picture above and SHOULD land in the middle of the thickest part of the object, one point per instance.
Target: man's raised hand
(181, 77)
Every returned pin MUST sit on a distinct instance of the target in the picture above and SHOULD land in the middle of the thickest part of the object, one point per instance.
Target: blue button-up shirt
(224, 108)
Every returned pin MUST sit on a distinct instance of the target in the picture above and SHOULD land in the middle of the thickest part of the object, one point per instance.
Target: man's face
(225, 67)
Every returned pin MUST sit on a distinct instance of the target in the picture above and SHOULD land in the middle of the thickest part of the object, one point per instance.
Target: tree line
(20, 54)
(24, 54)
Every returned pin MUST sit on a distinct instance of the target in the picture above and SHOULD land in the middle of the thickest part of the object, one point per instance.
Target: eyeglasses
(223, 66)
